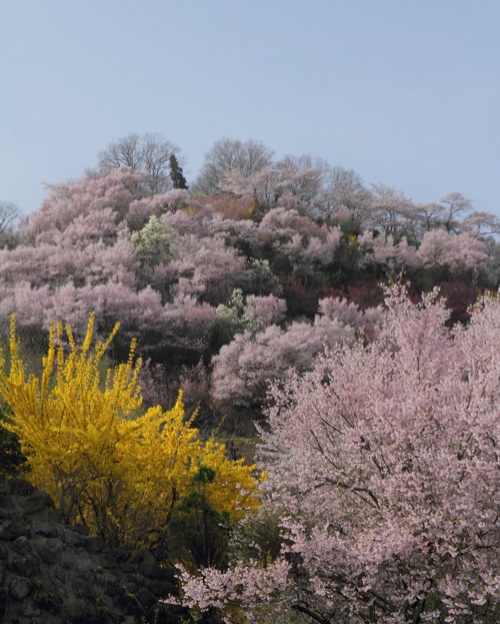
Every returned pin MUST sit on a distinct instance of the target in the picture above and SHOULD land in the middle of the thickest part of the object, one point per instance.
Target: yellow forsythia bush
(120, 474)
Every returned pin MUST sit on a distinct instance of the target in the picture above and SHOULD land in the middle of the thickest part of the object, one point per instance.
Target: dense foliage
(12, 459)
(234, 276)
(121, 471)
(380, 433)
(384, 471)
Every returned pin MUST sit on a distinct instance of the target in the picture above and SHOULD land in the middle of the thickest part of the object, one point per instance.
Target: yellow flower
(120, 474)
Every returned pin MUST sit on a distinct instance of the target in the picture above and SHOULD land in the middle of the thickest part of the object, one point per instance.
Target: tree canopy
(384, 472)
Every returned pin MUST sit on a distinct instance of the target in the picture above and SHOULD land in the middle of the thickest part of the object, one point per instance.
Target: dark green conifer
(176, 174)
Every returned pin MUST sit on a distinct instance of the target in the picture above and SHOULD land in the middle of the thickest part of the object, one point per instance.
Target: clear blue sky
(405, 92)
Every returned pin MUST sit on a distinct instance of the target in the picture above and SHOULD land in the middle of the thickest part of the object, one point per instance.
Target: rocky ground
(54, 573)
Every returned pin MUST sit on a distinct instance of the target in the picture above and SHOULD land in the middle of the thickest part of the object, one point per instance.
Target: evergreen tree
(176, 174)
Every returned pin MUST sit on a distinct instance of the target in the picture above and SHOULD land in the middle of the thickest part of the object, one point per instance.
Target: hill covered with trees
(251, 271)
(285, 297)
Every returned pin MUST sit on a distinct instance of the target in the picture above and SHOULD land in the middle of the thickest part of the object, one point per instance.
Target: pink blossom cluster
(247, 587)
(384, 468)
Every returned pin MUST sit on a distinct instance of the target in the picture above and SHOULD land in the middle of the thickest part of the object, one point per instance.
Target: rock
(19, 587)
(108, 561)
(48, 600)
(148, 566)
(50, 529)
(73, 538)
(13, 530)
(50, 550)
(3, 605)
(29, 608)
(5, 501)
(36, 503)
(4, 552)
(51, 572)
(94, 545)
(24, 565)
(22, 545)
(60, 575)
(81, 529)
(74, 609)
(20, 487)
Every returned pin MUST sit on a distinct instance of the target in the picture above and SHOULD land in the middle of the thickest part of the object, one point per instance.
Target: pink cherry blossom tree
(243, 369)
(384, 468)
(66, 202)
(461, 252)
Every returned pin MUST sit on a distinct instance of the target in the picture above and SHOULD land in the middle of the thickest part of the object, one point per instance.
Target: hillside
(228, 285)
(335, 320)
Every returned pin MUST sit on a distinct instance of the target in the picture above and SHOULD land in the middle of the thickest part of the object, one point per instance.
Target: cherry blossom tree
(243, 369)
(464, 251)
(294, 182)
(188, 325)
(303, 180)
(384, 468)
(386, 255)
(391, 210)
(440, 251)
(252, 313)
(280, 225)
(218, 268)
(141, 210)
(264, 187)
(115, 190)
(482, 224)
(350, 314)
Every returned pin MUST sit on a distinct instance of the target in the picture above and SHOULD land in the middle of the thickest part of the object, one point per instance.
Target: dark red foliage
(365, 294)
(300, 301)
(459, 297)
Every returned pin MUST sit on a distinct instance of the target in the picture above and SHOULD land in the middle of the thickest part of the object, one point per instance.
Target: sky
(405, 93)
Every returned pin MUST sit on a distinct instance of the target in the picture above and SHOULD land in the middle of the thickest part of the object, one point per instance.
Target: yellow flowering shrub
(120, 474)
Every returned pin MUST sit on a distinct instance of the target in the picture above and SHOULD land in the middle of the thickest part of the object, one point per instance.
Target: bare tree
(149, 152)
(392, 210)
(431, 215)
(303, 178)
(9, 214)
(454, 204)
(231, 155)
(345, 193)
(125, 152)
